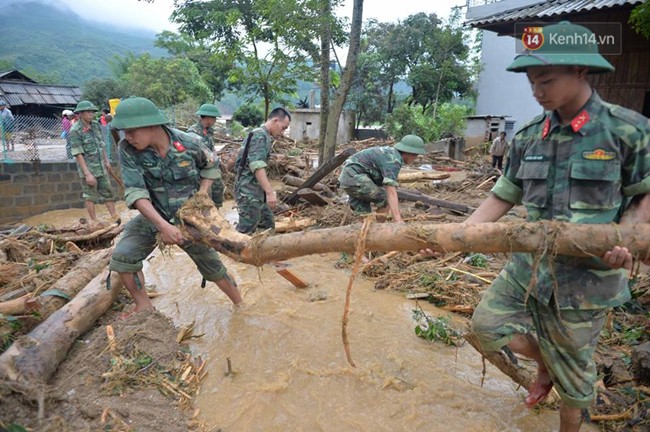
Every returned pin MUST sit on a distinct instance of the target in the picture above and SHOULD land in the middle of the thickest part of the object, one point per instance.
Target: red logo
(532, 38)
(178, 146)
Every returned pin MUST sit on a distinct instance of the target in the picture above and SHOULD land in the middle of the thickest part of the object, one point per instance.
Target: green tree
(412, 119)
(100, 90)
(640, 19)
(166, 81)
(368, 95)
(214, 67)
(269, 41)
(249, 115)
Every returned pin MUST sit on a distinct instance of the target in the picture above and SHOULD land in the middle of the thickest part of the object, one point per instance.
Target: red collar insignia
(178, 146)
(579, 121)
(547, 127)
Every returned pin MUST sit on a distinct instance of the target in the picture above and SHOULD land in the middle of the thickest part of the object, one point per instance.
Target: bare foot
(540, 388)
(126, 315)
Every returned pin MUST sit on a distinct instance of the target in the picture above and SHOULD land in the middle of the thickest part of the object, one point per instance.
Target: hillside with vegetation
(54, 45)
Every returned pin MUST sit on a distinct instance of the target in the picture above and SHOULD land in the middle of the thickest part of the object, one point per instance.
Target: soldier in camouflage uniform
(582, 161)
(87, 147)
(204, 129)
(370, 176)
(253, 191)
(162, 167)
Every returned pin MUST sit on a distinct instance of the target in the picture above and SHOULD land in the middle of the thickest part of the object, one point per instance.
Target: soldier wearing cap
(162, 167)
(370, 176)
(87, 147)
(253, 191)
(205, 129)
(582, 161)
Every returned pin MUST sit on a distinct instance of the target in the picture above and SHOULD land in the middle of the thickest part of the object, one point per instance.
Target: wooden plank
(290, 276)
(320, 173)
(313, 197)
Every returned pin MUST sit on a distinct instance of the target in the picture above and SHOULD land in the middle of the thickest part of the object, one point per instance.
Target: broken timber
(320, 173)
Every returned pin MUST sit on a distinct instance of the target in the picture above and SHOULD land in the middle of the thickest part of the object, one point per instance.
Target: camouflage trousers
(363, 191)
(254, 214)
(100, 193)
(567, 338)
(216, 192)
(139, 240)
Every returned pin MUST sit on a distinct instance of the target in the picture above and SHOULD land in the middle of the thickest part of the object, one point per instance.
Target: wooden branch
(414, 195)
(114, 229)
(36, 356)
(410, 177)
(519, 375)
(290, 225)
(320, 173)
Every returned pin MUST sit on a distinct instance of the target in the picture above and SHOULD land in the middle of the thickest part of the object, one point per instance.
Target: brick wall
(26, 192)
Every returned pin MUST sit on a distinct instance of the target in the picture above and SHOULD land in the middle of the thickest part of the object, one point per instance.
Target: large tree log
(321, 172)
(86, 268)
(36, 356)
(204, 223)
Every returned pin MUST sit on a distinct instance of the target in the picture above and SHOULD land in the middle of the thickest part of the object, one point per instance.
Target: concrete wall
(305, 124)
(501, 92)
(24, 193)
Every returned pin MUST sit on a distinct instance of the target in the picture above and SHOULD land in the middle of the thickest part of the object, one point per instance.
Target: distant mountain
(61, 45)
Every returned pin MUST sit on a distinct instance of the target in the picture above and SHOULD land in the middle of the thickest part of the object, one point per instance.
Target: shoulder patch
(536, 120)
(629, 116)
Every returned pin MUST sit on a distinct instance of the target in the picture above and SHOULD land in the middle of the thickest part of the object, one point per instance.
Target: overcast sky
(154, 16)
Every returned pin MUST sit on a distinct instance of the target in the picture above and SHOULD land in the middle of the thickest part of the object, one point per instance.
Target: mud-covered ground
(145, 379)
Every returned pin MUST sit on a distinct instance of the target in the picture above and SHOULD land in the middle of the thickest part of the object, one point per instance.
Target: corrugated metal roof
(550, 8)
(29, 93)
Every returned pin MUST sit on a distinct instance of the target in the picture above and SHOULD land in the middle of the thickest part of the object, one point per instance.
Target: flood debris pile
(121, 376)
(41, 268)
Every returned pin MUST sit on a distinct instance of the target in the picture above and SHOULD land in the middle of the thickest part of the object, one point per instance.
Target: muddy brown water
(289, 369)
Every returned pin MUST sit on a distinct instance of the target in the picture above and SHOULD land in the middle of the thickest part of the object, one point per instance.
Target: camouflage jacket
(167, 182)
(381, 164)
(584, 172)
(258, 155)
(89, 142)
(205, 133)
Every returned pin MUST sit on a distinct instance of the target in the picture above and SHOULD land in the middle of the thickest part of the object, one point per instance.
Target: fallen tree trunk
(415, 195)
(410, 177)
(203, 222)
(35, 357)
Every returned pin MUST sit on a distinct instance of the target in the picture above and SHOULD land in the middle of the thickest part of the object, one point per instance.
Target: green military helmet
(136, 112)
(85, 105)
(564, 44)
(411, 144)
(208, 110)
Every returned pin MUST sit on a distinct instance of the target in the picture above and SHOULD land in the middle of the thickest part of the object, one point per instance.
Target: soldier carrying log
(582, 161)
(162, 167)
